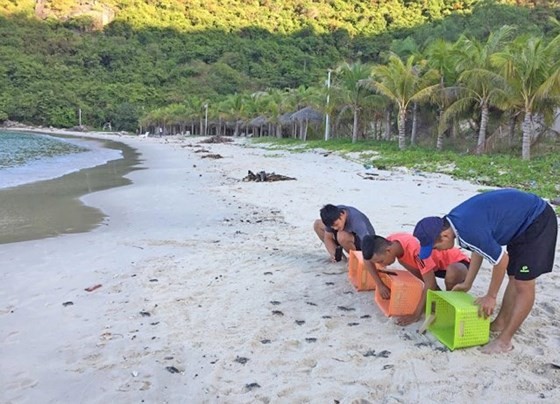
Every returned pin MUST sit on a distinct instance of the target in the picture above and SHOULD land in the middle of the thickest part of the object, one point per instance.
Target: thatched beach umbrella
(258, 122)
(307, 114)
(304, 116)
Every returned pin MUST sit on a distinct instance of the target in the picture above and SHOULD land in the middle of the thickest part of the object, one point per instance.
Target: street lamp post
(327, 125)
(205, 119)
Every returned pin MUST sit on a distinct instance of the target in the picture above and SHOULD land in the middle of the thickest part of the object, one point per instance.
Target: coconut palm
(403, 83)
(440, 57)
(478, 81)
(348, 93)
(531, 66)
(236, 107)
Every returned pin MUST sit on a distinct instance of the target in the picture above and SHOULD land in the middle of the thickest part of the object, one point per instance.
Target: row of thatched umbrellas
(304, 114)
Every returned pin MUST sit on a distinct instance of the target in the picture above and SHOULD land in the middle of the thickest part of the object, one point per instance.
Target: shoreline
(51, 207)
(217, 290)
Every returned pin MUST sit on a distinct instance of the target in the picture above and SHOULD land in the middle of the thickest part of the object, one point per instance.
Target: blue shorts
(531, 254)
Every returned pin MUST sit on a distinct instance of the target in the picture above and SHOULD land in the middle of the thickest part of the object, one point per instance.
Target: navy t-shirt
(486, 222)
(356, 222)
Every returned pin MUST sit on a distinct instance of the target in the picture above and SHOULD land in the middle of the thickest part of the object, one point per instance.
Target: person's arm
(474, 266)
(487, 303)
(384, 291)
(330, 244)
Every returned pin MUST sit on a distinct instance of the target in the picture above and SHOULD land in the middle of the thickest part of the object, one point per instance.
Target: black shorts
(440, 273)
(531, 254)
(357, 241)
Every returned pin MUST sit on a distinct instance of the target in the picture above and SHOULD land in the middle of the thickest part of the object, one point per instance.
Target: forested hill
(118, 59)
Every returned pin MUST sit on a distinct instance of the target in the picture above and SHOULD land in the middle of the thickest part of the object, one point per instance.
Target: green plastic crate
(456, 324)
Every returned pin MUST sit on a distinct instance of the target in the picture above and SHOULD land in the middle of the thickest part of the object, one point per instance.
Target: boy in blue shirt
(525, 224)
(342, 227)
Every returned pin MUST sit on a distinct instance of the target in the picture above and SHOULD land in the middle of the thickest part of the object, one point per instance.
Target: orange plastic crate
(357, 272)
(406, 292)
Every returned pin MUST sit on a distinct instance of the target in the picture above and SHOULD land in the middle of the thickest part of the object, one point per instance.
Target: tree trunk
(511, 128)
(355, 126)
(387, 135)
(527, 134)
(278, 131)
(306, 125)
(482, 130)
(414, 124)
(439, 140)
(402, 123)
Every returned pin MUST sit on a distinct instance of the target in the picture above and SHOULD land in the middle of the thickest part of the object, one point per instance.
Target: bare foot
(496, 346)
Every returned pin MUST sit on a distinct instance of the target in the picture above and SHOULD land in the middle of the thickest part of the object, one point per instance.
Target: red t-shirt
(438, 260)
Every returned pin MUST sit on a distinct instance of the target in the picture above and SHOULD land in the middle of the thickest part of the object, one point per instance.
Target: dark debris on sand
(217, 139)
(263, 176)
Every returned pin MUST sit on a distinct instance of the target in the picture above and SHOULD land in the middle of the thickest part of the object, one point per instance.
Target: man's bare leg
(522, 305)
(455, 273)
(510, 296)
(346, 240)
(319, 228)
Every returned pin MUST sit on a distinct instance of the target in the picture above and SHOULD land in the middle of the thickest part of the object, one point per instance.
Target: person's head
(378, 250)
(333, 217)
(434, 233)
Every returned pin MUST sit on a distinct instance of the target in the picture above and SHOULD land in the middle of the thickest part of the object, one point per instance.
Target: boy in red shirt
(451, 265)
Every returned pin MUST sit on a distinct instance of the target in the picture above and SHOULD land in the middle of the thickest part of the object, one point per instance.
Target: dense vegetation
(161, 62)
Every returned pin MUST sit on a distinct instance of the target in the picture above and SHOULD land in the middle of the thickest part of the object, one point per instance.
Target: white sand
(210, 258)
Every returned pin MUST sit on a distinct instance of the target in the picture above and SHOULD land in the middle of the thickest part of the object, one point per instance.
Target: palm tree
(479, 83)
(440, 57)
(349, 93)
(531, 66)
(236, 107)
(403, 83)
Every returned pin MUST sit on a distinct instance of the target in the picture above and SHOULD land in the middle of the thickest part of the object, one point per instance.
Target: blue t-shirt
(486, 222)
(356, 222)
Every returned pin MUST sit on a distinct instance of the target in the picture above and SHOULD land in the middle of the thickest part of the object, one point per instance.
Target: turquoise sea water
(31, 157)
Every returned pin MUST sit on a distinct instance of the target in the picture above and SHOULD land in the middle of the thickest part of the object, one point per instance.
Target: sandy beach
(215, 290)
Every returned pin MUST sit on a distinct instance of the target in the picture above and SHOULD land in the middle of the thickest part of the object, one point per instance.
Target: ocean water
(32, 157)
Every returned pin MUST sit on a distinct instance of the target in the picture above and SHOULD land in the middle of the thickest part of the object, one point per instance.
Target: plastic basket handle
(427, 322)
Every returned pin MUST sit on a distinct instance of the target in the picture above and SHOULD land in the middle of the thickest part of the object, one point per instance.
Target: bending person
(342, 228)
(523, 222)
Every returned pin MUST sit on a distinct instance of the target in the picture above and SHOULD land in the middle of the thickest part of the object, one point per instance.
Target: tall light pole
(327, 125)
(206, 119)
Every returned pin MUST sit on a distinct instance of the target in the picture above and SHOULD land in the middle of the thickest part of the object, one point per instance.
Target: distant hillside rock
(100, 13)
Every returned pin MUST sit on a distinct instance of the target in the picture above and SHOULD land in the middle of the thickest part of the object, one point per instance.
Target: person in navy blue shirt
(342, 227)
(524, 223)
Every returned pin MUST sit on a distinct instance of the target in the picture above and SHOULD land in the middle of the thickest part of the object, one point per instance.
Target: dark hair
(330, 214)
(372, 245)
(446, 224)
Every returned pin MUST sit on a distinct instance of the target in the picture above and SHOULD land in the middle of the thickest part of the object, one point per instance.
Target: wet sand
(53, 207)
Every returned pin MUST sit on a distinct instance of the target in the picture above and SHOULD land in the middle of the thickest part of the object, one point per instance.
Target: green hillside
(57, 56)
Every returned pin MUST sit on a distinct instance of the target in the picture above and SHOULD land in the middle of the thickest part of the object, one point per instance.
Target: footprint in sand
(548, 307)
(21, 381)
